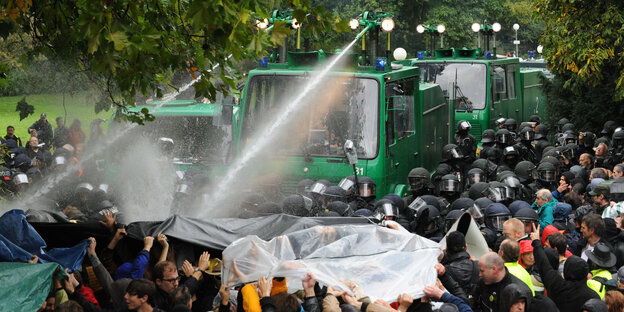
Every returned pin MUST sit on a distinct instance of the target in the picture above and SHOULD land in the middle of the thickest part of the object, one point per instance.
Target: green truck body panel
(411, 127)
(501, 86)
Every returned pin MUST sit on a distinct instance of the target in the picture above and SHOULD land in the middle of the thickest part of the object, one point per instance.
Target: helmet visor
(503, 138)
(416, 183)
(476, 177)
(307, 202)
(464, 125)
(495, 194)
(367, 190)
(527, 136)
(346, 184)
(533, 173)
(547, 175)
(497, 222)
(449, 186)
(317, 188)
(20, 178)
(512, 182)
(474, 211)
(389, 210)
(454, 153)
(417, 205)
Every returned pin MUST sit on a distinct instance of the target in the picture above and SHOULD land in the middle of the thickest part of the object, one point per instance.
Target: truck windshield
(193, 139)
(471, 81)
(341, 108)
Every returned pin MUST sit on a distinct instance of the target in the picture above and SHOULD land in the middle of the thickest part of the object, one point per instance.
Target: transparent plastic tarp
(384, 262)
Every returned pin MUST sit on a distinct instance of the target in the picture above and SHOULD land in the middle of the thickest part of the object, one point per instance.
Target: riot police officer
(465, 141)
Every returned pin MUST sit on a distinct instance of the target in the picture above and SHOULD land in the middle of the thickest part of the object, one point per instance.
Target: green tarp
(25, 286)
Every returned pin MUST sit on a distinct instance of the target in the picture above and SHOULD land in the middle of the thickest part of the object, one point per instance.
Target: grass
(81, 106)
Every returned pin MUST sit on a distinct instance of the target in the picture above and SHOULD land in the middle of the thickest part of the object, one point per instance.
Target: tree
(128, 46)
(583, 42)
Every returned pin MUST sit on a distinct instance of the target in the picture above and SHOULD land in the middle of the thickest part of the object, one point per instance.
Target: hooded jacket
(545, 213)
(595, 305)
(571, 293)
(511, 294)
(488, 297)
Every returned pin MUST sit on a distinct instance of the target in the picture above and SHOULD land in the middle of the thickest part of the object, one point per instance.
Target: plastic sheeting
(475, 242)
(384, 262)
(26, 286)
(221, 232)
(19, 241)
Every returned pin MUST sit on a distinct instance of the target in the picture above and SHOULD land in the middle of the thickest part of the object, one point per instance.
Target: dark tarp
(26, 286)
(19, 241)
(219, 233)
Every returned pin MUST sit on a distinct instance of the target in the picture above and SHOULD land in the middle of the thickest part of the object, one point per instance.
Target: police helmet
(384, 209)
(527, 134)
(450, 184)
(462, 203)
(561, 123)
(516, 205)
(367, 187)
(463, 125)
(488, 136)
(546, 172)
(541, 131)
(450, 152)
(418, 179)
(303, 187)
(527, 214)
(476, 175)
(339, 207)
(511, 124)
(478, 190)
(297, 205)
(503, 136)
(451, 218)
(348, 185)
(495, 215)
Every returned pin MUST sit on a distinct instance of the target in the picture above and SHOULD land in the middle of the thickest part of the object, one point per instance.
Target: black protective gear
(526, 134)
(348, 185)
(534, 118)
(384, 209)
(451, 218)
(495, 215)
(419, 180)
(541, 132)
(589, 138)
(561, 123)
(488, 167)
(526, 171)
(297, 205)
(511, 124)
(488, 136)
(450, 184)
(568, 127)
(547, 172)
(303, 187)
(339, 207)
(451, 152)
(527, 215)
(367, 187)
(463, 126)
(504, 137)
(478, 190)
(476, 175)
(333, 193)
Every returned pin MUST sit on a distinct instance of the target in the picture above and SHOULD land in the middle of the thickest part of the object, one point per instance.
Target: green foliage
(24, 109)
(583, 42)
(584, 110)
(129, 46)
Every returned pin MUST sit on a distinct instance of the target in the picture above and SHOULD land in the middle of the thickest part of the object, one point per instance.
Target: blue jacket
(461, 305)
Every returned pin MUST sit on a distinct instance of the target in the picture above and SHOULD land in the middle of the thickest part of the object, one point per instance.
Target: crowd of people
(550, 212)
(45, 153)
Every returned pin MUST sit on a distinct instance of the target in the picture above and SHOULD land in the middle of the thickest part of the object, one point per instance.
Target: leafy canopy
(130, 46)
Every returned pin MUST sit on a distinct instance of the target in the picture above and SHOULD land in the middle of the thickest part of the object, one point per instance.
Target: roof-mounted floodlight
(476, 27)
(441, 28)
(354, 24)
(516, 27)
(496, 27)
(399, 54)
(387, 24)
(420, 29)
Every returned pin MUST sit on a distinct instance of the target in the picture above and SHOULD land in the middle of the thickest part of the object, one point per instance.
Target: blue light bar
(421, 55)
(380, 64)
(263, 62)
(530, 54)
(488, 55)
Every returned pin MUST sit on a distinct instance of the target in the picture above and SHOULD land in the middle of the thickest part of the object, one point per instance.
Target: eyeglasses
(172, 280)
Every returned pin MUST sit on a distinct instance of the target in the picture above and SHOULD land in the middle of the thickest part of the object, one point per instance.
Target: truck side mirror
(349, 149)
